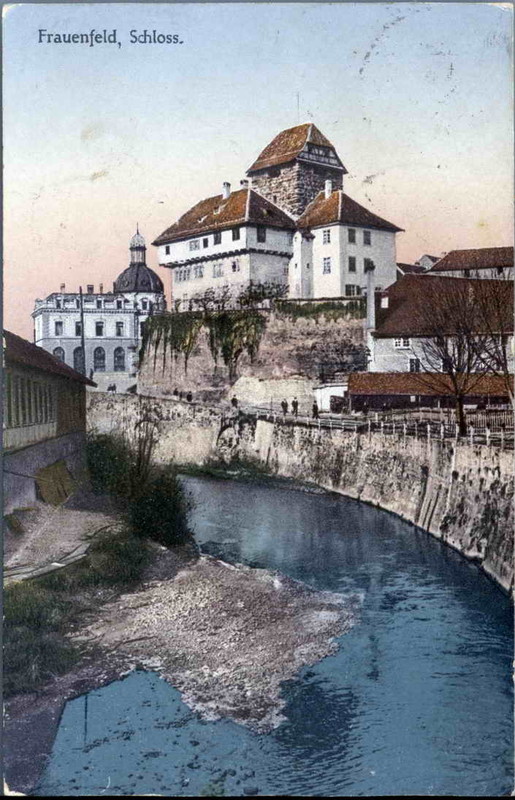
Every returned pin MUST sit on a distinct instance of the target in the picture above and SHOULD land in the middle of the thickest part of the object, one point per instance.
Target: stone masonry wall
(290, 350)
(293, 186)
(461, 494)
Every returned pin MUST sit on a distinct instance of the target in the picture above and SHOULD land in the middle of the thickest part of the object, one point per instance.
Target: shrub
(28, 604)
(118, 558)
(161, 510)
(109, 463)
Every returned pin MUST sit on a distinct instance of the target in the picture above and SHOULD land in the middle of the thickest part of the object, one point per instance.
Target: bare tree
(452, 344)
(256, 293)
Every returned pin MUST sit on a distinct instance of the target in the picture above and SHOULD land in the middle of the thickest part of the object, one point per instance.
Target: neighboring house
(113, 322)
(396, 332)
(484, 262)
(426, 261)
(375, 391)
(291, 223)
(409, 269)
(44, 416)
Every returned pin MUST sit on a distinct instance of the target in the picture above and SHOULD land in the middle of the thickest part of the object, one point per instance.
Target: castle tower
(294, 168)
(138, 248)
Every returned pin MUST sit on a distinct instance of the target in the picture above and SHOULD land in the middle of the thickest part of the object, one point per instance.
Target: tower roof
(137, 240)
(138, 278)
(294, 143)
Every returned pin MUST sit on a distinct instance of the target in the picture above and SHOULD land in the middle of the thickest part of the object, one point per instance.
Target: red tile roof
(421, 383)
(288, 145)
(244, 206)
(478, 258)
(339, 207)
(408, 300)
(20, 351)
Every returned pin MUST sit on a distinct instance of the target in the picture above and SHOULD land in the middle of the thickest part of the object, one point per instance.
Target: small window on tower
(326, 236)
(205, 242)
(261, 233)
(119, 328)
(167, 250)
(144, 305)
(78, 329)
(326, 266)
(119, 304)
(367, 237)
(352, 263)
(99, 328)
(235, 234)
(99, 303)
(352, 235)
(195, 244)
(58, 328)
(217, 238)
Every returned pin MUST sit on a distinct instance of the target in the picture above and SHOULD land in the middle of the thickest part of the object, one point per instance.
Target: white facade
(498, 273)
(332, 263)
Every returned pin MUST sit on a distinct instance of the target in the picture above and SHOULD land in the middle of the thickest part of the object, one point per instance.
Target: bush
(110, 464)
(161, 511)
(118, 558)
(31, 605)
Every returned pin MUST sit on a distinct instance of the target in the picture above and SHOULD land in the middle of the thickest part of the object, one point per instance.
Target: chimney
(90, 288)
(328, 189)
(371, 299)
(62, 287)
(101, 288)
(226, 190)
(244, 183)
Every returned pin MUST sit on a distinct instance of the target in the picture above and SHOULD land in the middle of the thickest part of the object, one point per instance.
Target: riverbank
(225, 635)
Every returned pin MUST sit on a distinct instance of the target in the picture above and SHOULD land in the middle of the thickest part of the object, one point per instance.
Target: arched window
(78, 361)
(99, 359)
(119, 359)
(59, 353)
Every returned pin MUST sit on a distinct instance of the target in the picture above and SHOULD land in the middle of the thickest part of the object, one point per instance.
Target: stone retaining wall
(461, 494)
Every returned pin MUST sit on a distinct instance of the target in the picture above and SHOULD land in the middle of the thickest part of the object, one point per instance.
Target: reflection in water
(417, 700)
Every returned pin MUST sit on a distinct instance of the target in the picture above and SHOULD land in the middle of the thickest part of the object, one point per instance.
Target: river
(417, 700)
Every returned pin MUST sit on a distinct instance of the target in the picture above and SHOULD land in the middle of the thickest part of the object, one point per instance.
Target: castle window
(235, 234)
(368, 264)
(119, 328)
(286, 270)
(352, 263)
(118, 304)
(402, 343)
(78, 329)
(261, 233)
(351, 235)
(167, 250)
(59, 328)
(235, 266)
(326, 265)
(218, 270)
(99, 359)
(99, 303)
(367, 237)
(119, 359)
(205, 242)
(351, 290)
(59, 353)
(78, 361)
(195, 244)
(77, 303)
(326, 236)
(99, 328)
(217, 238)
(274, 199)
(58, 304)
(414, 365)
(144, 305)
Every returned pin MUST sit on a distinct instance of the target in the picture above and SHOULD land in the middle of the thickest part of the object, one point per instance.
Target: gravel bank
(226, 636)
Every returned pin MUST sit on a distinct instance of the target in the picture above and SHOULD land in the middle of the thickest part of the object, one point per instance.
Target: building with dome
(105, 326)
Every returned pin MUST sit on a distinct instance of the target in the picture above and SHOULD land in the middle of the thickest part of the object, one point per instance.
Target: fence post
(404, 431)
(488, 437)
(393, 427)
(377, 417)
(471, 431)
(456, 430)
(369, 427)
(442, 431)
(382, 427)
(428, 431)
(502, 436)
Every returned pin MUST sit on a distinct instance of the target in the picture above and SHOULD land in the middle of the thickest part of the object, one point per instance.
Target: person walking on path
(234, 402)
(315, 410)
(284, 406)
(295, 407)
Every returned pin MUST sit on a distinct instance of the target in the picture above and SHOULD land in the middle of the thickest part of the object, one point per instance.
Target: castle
(289, 223)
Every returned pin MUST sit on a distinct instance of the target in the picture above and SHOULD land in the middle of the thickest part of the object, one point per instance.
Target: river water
(417, 700)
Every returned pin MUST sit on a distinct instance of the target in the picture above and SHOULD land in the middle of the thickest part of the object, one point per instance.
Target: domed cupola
(138, 277)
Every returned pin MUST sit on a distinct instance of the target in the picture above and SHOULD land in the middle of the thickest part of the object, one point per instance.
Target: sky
(416, 98)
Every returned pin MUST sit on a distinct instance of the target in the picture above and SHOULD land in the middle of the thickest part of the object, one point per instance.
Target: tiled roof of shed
(412, 383)
(339, 207)
(409, 295)
(20, 351)
(244, 206)
(288, 145)
(477, 258)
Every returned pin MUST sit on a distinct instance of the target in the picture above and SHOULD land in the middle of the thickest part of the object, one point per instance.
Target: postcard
(258, 399)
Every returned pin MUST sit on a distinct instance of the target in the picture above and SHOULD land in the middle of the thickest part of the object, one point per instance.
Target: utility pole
(82, 339)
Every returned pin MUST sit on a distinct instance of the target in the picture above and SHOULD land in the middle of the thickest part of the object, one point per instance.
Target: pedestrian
(295, 407)
(315, 410)
(284, 406)
(176, 391)
(189, 397)
(234, 402)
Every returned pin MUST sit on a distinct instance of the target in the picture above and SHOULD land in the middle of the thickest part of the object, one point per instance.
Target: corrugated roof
(215, 214)
(288, 145)
(20, 351)
(476, 258)
(339, 207)
(408, 300)
(421, 383)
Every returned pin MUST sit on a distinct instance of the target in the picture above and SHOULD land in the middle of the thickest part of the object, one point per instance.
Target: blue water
(417, 700)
